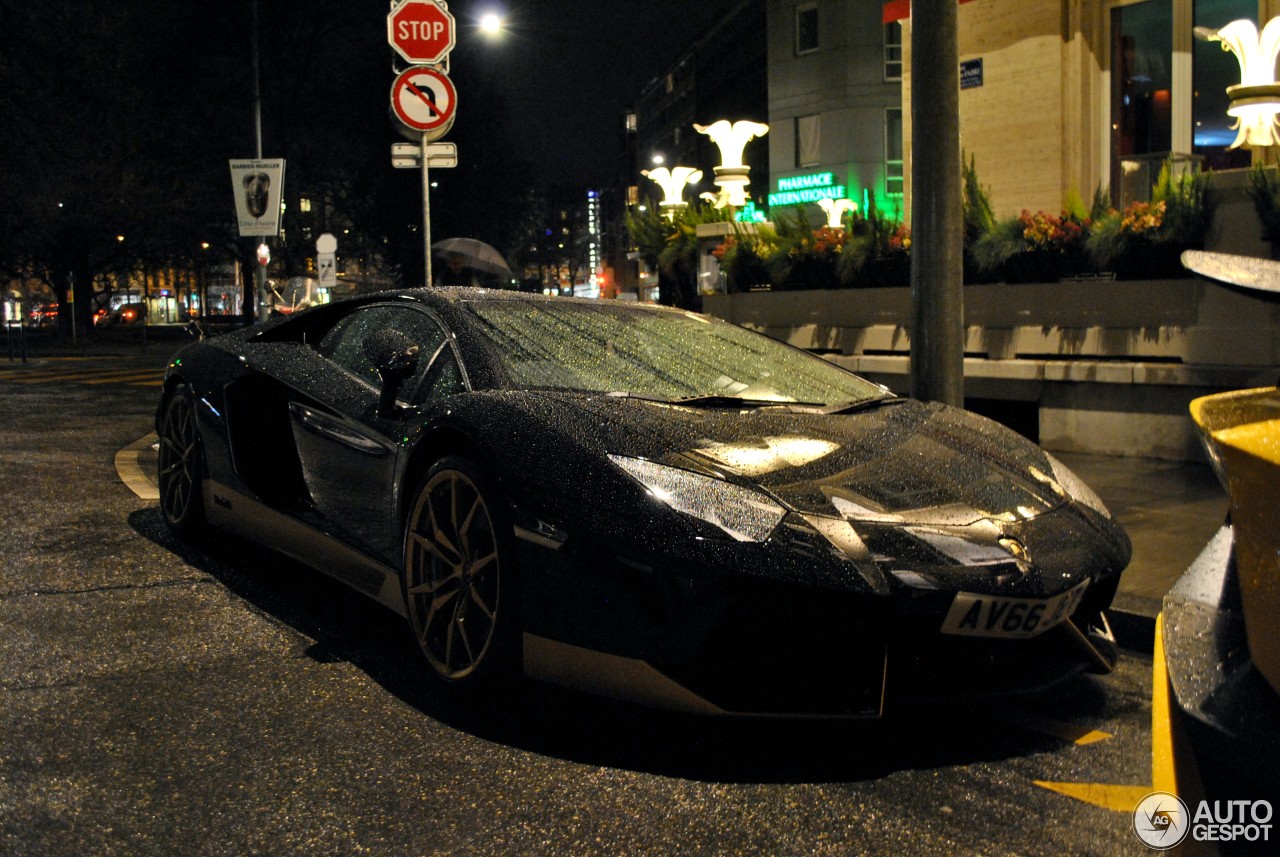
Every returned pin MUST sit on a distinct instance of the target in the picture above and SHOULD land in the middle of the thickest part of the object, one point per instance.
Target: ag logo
(1161, 820)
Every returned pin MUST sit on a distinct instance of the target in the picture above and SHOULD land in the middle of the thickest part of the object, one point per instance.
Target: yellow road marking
(81, 376)
(135, 375)
(1113, 797)
(1173, 768)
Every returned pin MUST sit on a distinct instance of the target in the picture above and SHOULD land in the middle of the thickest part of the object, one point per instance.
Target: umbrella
(475, 254)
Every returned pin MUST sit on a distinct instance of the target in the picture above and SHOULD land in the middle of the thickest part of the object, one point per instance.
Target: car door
(346, 448)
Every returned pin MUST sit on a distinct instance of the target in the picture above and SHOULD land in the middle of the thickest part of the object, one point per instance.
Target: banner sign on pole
(257, 186)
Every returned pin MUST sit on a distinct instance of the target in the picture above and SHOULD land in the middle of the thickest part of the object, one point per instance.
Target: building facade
(835, 104)
(1062, 95)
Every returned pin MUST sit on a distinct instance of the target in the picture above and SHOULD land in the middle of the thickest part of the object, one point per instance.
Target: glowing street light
(491, 23)
(1255, 101)
(731, 175)
(672, 183)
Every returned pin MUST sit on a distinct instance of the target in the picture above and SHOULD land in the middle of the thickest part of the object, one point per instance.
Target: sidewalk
(156, 341)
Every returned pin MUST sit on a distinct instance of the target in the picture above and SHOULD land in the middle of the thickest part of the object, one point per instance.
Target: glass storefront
(1164, 79)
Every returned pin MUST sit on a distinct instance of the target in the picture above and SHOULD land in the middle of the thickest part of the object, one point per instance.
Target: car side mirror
(395, 357)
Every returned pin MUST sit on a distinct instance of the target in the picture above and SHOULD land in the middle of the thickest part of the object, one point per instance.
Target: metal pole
(257, 86)
(426, 211)
(253, 295)
(937, 207)
(71, 295)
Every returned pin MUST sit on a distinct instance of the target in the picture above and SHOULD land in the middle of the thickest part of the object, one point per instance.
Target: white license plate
(974, 615)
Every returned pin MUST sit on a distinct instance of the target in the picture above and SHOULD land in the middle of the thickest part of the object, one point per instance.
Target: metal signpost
(423, 99)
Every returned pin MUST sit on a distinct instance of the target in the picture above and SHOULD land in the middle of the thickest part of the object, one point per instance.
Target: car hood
(899, 461)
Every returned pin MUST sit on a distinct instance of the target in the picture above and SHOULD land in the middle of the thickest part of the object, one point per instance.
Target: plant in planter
(877, 252)
(1146, 240)
(1034, 247)
(671, 246)
(742, 258)
(804, 258)
(1264, 190)
(979, 221)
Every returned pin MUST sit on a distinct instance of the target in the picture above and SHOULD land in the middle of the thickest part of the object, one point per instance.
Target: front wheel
(459, 579)
(179, 476)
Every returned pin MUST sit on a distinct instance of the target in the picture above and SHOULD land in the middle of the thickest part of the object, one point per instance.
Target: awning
(896, 10)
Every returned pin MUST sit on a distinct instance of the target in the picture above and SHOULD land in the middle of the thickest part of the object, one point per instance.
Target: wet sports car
(641, 502)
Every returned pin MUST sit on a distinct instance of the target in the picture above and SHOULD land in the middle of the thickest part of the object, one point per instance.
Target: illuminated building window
(893, 51)
(893, 151)
(806, 28)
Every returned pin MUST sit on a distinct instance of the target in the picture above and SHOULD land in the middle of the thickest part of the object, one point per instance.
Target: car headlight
(1076, 489)
(747, 515)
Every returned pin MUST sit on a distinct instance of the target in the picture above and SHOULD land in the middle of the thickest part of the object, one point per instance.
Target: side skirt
(230, 510)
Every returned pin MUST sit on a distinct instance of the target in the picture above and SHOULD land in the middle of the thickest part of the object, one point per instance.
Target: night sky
(120, 115)
(570, 68)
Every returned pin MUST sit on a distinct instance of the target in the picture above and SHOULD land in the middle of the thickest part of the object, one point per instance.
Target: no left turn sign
(424, 99)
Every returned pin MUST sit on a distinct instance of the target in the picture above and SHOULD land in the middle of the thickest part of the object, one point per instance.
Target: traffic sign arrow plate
(424, 99)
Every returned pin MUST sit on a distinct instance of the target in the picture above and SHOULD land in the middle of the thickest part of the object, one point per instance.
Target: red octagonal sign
(421, 31)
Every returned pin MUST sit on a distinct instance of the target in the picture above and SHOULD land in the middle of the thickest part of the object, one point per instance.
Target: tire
(459, 577)
(181, 461)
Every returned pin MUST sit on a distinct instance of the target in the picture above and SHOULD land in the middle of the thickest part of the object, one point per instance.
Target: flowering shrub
(900, 239)
(1142, 217)
(1045, 232)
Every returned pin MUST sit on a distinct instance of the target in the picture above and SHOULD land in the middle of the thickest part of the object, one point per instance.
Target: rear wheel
(179, 479)
(459, 580)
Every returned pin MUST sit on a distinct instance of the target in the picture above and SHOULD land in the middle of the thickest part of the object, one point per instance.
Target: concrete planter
(1110, 366)
(1189, 321)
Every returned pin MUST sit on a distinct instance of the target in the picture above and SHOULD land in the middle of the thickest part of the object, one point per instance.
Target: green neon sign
(797, 190)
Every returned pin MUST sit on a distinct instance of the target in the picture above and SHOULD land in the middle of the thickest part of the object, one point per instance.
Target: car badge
(1018, 551)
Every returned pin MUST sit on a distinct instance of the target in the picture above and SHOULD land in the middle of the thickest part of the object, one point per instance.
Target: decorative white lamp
(1255, 101)
(672, 183)
(836, 209)
(731, 175)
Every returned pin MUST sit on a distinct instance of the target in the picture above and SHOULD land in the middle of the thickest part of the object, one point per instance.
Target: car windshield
(661, 354)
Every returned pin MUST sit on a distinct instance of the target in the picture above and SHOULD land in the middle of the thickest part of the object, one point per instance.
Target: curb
(130, 469)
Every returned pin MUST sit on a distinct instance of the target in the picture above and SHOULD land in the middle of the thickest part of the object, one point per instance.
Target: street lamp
(491, 24)
(672, 183)
(1255, 101)
(731, 175)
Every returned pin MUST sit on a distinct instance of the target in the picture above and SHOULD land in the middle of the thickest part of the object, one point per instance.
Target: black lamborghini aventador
(641, 502)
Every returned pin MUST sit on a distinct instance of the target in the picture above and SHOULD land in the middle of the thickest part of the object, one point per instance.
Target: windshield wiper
(716, 400)
(723, 401)
(863, 405)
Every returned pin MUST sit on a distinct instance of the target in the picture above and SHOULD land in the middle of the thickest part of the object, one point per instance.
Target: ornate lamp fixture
(672, 183)
(1255, 101)
(835, 210)
(731, 175)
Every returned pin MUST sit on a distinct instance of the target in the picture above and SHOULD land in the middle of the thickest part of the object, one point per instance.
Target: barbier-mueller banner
(257, 187)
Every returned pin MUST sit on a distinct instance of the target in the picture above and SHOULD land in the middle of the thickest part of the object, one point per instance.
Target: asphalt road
(162, 698)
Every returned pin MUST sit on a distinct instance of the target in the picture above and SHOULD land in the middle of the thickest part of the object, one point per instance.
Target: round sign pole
(426, 211)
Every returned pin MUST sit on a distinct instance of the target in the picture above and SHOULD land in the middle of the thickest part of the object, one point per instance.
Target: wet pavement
(162, 690)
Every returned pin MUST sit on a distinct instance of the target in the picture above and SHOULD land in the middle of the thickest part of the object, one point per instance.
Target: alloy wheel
(452, 574)
(178, 476)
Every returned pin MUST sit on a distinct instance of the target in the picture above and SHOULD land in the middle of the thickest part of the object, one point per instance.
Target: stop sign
(421, 31)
